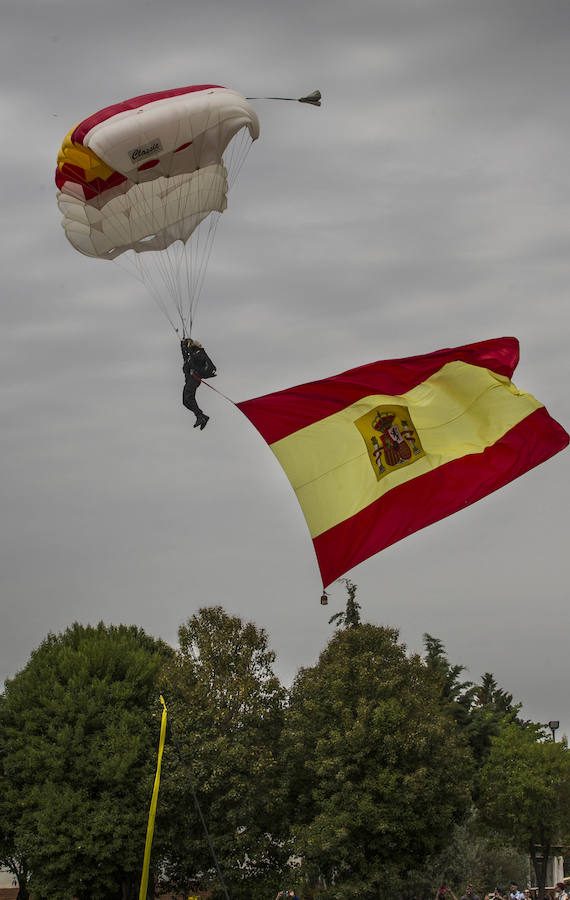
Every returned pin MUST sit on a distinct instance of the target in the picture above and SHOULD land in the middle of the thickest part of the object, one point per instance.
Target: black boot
(201, 420)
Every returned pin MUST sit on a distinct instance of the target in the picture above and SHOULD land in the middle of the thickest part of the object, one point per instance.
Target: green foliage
(11, 855)
(365, 774)
(350, 618)
(78, 755)
(378, 774)
(468, 858)
(516, 786)
(481, 710)
(525, 792)
(226, 708)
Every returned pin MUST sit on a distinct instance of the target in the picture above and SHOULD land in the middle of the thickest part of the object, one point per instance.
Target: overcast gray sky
(425, 205)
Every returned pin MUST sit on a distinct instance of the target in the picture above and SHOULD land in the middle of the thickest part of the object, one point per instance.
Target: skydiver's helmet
(187, 343)
(194, 353)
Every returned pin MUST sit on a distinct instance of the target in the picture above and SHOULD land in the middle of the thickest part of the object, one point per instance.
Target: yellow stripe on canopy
(77, 155)
(460, 410)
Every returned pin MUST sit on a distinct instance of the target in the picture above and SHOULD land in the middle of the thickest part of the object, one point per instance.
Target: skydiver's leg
(189, 401)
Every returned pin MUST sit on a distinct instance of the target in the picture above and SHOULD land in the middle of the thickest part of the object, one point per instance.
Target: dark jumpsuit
(197, 365)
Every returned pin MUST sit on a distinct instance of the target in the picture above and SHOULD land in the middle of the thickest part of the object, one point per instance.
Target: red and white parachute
(144, 182)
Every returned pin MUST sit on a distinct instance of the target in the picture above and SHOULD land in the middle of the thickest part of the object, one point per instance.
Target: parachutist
(197, 365)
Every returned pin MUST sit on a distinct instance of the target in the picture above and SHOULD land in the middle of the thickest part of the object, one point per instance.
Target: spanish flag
(385, 449)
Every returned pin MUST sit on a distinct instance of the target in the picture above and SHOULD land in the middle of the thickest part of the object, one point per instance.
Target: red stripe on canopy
(91, 189)
(86, 125)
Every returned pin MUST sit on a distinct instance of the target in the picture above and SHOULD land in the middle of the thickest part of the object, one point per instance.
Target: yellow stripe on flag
(153, 803)
(460, 410)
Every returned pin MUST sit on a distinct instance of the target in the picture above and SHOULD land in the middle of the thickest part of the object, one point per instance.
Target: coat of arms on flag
(390, 438)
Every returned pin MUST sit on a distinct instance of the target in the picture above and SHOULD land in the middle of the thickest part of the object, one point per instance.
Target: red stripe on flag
(437, 494)
(277, 415)
(133, 103)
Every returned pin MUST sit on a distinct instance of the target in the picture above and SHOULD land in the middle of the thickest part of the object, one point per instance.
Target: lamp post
(553, 727)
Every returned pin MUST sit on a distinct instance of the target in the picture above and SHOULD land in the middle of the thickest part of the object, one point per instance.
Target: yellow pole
(153, 802)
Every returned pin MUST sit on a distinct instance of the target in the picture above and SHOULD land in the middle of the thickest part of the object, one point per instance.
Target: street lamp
(553, 727)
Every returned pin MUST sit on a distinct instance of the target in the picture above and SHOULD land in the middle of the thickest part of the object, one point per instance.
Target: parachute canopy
(143, 174)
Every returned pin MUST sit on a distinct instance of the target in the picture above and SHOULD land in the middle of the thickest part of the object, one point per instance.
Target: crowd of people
(560, 892)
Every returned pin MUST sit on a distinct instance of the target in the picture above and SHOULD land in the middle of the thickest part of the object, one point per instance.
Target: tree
(525, 793)
(350, 618)
(481, 710)
(11, 857)
(377, 773)
(226, 710)
(78, 755)
(470, 857)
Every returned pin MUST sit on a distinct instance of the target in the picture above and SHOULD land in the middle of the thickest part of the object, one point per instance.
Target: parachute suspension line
(200, 248)
(139, 264)
(175, 273)
(182, 272)
(236, 154)
(133, 267)
(165, 260)
(234, 158)
(165, 264)
(201, 260)
(130, 262)
(186, 267)
(199, 810)
(160, 262)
